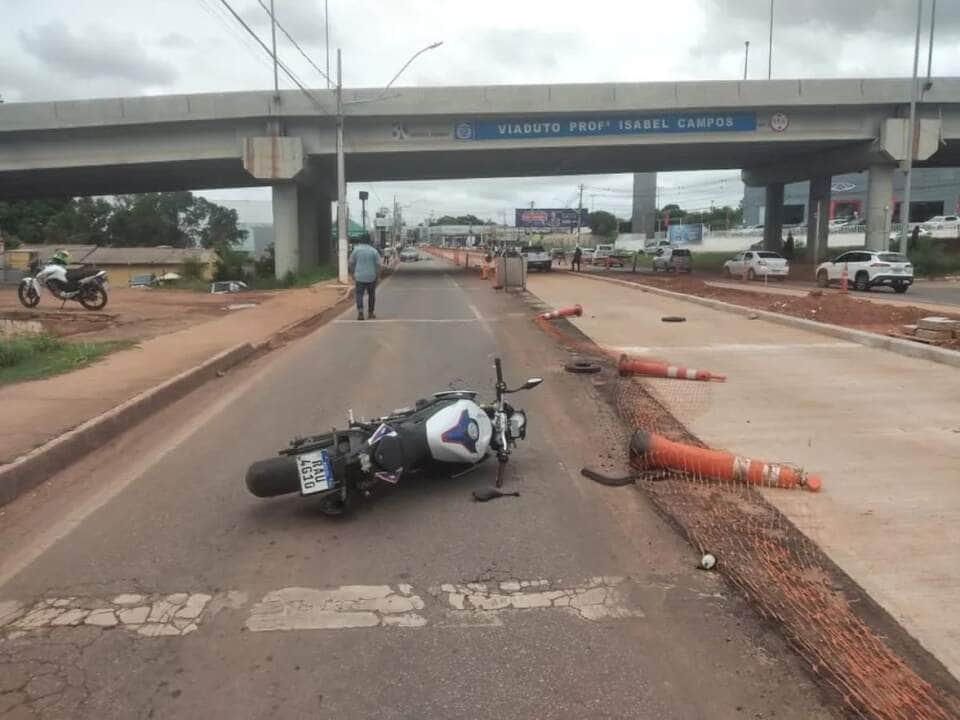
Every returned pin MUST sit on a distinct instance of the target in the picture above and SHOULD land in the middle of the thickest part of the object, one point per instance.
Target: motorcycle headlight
(518, 425)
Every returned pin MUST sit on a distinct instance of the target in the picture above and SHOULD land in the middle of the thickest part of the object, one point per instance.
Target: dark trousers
(371, 289)
(575, 264)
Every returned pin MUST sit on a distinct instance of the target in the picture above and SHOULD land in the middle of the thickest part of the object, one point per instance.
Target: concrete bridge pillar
(879, 206)
(644, 217)
(773, 218)
(301, 222)
(818, 218)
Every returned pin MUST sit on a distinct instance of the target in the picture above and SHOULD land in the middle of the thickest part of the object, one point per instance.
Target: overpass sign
(594, 126)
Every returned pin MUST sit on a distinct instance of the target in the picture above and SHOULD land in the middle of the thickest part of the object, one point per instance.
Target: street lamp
(342, 241)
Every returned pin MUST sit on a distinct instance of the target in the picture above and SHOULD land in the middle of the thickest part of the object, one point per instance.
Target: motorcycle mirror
(531, 383)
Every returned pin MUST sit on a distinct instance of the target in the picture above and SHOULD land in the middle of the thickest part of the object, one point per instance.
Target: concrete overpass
(777, 131)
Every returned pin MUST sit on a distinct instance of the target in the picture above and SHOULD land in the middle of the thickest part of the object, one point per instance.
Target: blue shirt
(364, 263)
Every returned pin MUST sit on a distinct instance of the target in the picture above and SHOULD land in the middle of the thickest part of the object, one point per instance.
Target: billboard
(549, 218)
(685, 234)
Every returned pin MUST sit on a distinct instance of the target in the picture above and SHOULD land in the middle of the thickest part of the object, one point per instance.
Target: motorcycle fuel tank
(459, 433)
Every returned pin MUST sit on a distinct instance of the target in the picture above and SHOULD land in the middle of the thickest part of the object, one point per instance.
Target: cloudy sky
(54, 49)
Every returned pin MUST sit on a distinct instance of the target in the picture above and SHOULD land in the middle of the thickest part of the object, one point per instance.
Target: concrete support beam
(773, 218)
(301, 221)
(879, 206)
(818, 218)
(644, 217)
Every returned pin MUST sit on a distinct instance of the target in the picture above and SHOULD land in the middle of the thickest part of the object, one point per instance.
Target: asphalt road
(283, 628)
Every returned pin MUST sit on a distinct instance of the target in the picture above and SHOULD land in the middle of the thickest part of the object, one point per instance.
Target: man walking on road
(577, 254)
(364, 266)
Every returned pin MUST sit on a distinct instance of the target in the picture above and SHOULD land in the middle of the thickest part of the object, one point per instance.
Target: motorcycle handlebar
(496, 364)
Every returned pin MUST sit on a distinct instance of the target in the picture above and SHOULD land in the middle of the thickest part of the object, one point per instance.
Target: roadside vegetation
(33, 357)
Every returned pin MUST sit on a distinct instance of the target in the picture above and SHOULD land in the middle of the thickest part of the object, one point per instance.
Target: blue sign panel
(593, 126)
(685, 234)
(549, 218)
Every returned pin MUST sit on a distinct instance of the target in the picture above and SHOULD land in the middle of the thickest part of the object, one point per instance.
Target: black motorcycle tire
(273, 476)
(93, 299)
(28, 296)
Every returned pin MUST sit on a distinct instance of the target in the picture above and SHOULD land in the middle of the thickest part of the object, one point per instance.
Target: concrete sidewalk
(34, 412)
(882, 429)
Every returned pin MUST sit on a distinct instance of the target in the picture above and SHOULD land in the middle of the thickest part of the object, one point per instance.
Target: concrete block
(940, 324)
(909, 329)
(936, 335)
(273, 157)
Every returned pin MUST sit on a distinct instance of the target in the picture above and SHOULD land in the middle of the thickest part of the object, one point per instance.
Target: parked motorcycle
(88, 286)
(449, 429)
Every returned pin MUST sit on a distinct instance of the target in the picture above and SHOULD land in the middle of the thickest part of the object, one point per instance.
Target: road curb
(28, 471)
(894, 345)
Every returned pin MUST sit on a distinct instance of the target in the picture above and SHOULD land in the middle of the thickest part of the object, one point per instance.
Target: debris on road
(607, 480)
(573, 311)
(633, 366)
(582, 367)
(673, 318)
(487, 494)
(650, 449)
(707, 562)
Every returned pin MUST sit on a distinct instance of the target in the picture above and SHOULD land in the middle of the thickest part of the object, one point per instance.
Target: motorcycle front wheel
(28, 296)
(94, 298)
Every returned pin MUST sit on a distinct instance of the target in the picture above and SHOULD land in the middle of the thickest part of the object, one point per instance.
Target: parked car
(757, 263)
(840, 222)
(537, 257)
(942, 222)
(409, 254)
(671, 259)
(606, 255)
(867, 269)
(652, 248)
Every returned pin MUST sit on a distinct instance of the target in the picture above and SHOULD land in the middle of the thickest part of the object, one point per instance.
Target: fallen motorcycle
(450, 429)
(87, 286)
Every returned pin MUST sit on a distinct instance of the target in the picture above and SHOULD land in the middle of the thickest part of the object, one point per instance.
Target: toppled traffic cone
(652, 450)
(576, 310)
(631, 366)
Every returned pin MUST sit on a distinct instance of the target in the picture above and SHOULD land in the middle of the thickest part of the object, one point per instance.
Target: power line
(296, 45)
(241, 39)
(281, 64)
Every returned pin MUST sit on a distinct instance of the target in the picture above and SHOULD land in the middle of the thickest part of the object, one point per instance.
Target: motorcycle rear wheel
(273, 476)
(93, 299)
(28, 296)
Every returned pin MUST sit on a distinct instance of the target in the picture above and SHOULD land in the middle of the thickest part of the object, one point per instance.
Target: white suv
(868, 268)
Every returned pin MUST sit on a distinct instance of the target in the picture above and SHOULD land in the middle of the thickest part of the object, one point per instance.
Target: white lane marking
(404, 320)
(476, 312)
(735, 347)
(339, 608)
(600, 598)
(351, 606)
(148, 615)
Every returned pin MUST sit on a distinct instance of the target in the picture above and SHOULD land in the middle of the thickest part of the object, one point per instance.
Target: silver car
(671, 259)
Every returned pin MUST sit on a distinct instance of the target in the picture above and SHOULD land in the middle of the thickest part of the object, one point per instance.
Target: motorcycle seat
(80, 273)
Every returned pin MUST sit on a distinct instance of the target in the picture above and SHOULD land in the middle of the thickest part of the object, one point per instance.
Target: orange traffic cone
(563, 312)
(629, 366)
(650, 449)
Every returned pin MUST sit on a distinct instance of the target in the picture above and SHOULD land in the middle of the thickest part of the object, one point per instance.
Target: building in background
(936, 191)
(121, 263)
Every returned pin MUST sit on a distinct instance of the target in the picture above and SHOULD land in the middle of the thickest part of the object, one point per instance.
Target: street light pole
(770, 46)
(342, 241)
(746, 57)
(933, 24)
(273, 35)
(911, 132)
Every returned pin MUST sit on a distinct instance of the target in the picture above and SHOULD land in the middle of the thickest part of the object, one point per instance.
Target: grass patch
(299, 280)
(38, 356)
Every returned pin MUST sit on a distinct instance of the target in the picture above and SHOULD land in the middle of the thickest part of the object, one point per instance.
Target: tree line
(178, 219)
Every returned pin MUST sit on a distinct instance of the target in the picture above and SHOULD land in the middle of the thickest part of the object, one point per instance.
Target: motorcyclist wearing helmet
(60, 257)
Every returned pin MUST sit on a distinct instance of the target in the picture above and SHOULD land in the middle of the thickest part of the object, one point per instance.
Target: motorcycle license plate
(316, 475)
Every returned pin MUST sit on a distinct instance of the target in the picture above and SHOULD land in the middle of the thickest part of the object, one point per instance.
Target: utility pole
(933, 23)
(342, 241)
(326, 32)
(746, 57)
(911, 134)
(770, 46)
(273, 36)
(579, 213)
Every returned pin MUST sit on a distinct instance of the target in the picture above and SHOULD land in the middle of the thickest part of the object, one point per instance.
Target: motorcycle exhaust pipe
(273, 476)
